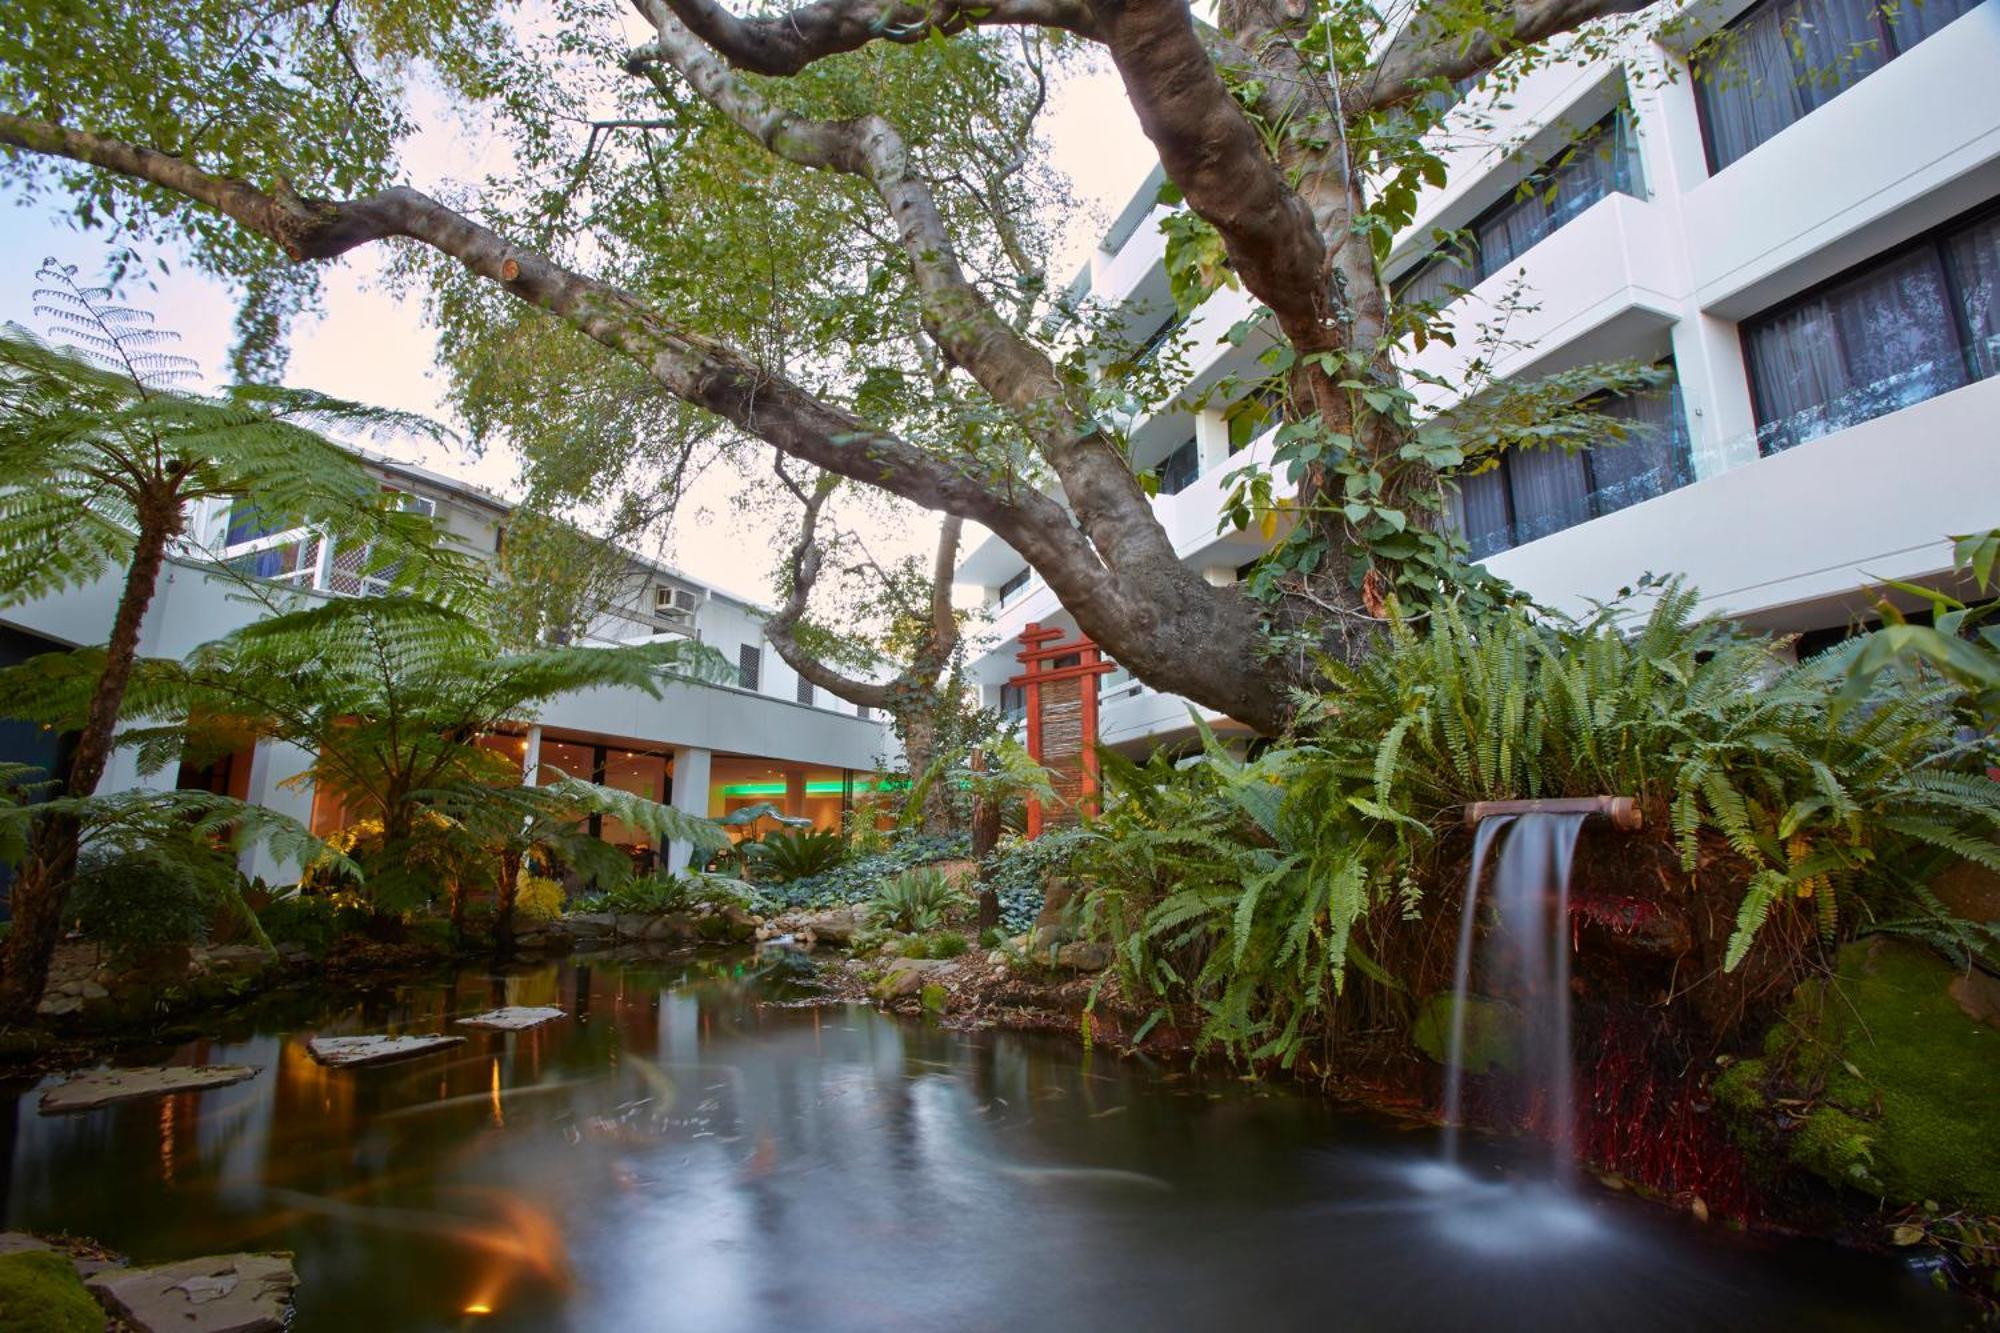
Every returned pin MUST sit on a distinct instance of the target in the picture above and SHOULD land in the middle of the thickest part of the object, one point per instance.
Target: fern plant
(100, 455)
(916, 901)
(789, 854)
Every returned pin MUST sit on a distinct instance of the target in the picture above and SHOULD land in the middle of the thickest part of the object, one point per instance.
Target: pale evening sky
(374, 346)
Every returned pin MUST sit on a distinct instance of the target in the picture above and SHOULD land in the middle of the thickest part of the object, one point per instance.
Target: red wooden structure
(1060, 682)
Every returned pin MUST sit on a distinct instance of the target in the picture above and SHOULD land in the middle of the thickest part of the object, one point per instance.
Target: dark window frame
(1933, 239)
(1885, 34)
(749, 666)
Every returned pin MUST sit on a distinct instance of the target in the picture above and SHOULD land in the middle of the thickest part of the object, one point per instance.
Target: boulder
(1055, 923)
(908, 976)
(19, 1242)
(592, 925)
(230, 1293)
(513, 1018)
(836, 925)
(347, 1052)
(630, 925)
(1083, 956)
(670, 928)
(101, 1087)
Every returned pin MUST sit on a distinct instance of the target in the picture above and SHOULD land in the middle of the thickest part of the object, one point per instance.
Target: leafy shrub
(917, 900)
(537, 897)
(856, 879)
(1242, 885)
(133, 901)
(790, 854)
(308, 920)
(1019, 869)
(667, 891)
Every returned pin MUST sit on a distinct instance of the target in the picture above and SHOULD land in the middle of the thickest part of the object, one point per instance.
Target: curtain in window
(1974, 257)
(1550, 490)
(1795, 368)
(1180, 469)
(1651, 460)
(1437, 281)
(1910, 21)
(1481, 511)
(1835, 44)
(1898, 339)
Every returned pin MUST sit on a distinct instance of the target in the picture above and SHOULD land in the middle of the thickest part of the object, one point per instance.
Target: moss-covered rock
(1878, 1079)
(1492, 1031)
(41, 1293)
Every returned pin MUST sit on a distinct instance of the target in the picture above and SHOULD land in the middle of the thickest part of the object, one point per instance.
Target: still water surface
(691, 1149)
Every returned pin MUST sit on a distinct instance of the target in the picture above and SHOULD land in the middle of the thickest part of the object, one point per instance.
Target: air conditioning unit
(676, 604)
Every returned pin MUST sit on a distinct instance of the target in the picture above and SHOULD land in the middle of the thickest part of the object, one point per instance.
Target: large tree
(925, 695)
(856, 167)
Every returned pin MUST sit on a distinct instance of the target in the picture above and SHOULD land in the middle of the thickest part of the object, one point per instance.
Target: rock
(1055, 923)
(91, 990)
(592, 925)
(17, 1242)
(836, 925)
(670, 928)
(230, 1293)
(100, 1087)
(55, 1006)
(236, 959)
(907, 976)
(513, 1018)
(347, 1052)
(1492, 1031)
(1084, 956)
(630, 925)
(1978, 994)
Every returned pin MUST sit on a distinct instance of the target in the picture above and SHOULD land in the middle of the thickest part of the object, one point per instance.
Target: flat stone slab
(101, 1087)
(347, 1052)
(230, 1293)
(513, 1018)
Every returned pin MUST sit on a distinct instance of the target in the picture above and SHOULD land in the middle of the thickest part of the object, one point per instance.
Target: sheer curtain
(1481, 511)
(1651, 460)
(1550, 489)
(1795, 369)
(1910, 21)
(1974, 257)
(1897, 336)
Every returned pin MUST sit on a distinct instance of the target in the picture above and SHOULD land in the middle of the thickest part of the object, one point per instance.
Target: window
(1013, 702)
(749, 665)
(247, 523)
(1603, 161)
(805, 690)
(1015, 584)
(1907, 326)
(294, 562)
(1178, 470)
(1784, 59)
(1540, 491)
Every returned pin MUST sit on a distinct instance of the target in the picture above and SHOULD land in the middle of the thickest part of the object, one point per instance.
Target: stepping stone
(100, 1087)
(230, 1293)
(513, 1018)
(347, 1052)
(20, 1242)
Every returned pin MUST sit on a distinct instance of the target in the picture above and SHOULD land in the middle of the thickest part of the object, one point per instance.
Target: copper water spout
(1622, 811)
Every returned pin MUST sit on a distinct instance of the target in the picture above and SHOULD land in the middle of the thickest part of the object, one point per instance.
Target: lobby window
(1536, 492)
(1909, 325)
(1603, 161)
(749, 665)
(1781, 60)
(1178, 470)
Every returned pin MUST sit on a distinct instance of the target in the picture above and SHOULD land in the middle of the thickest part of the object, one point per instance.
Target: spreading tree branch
(788, 42)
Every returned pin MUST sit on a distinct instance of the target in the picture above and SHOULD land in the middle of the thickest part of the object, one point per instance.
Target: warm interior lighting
(479, 1307)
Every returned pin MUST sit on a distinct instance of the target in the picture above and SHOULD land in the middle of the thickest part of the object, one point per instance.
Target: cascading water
(1524, 964)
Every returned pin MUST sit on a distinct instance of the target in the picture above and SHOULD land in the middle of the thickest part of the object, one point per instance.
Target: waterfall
(1523, 961)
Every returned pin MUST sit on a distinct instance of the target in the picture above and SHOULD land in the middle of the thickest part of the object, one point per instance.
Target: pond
(696, 1147)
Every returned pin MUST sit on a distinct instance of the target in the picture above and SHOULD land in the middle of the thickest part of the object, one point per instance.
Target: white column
(1211, 436)
(531, 758)
(273, 765)
(690, 795)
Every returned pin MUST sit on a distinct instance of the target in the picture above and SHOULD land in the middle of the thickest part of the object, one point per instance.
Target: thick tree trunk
(43, 885)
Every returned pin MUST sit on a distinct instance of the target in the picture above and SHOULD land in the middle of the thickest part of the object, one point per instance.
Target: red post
(1041, 650)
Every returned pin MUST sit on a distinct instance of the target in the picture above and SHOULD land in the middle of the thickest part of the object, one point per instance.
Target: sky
(374, 346)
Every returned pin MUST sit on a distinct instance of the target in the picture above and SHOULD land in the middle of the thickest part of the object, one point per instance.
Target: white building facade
(768, 736)
(1807, 236)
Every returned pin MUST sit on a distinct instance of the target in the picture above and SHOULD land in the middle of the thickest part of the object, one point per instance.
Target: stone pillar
(690, 796)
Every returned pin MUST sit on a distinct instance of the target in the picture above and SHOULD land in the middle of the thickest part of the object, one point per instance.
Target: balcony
(1597, 289)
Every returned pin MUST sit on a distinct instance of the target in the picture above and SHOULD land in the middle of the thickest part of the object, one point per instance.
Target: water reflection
(680, 1154)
